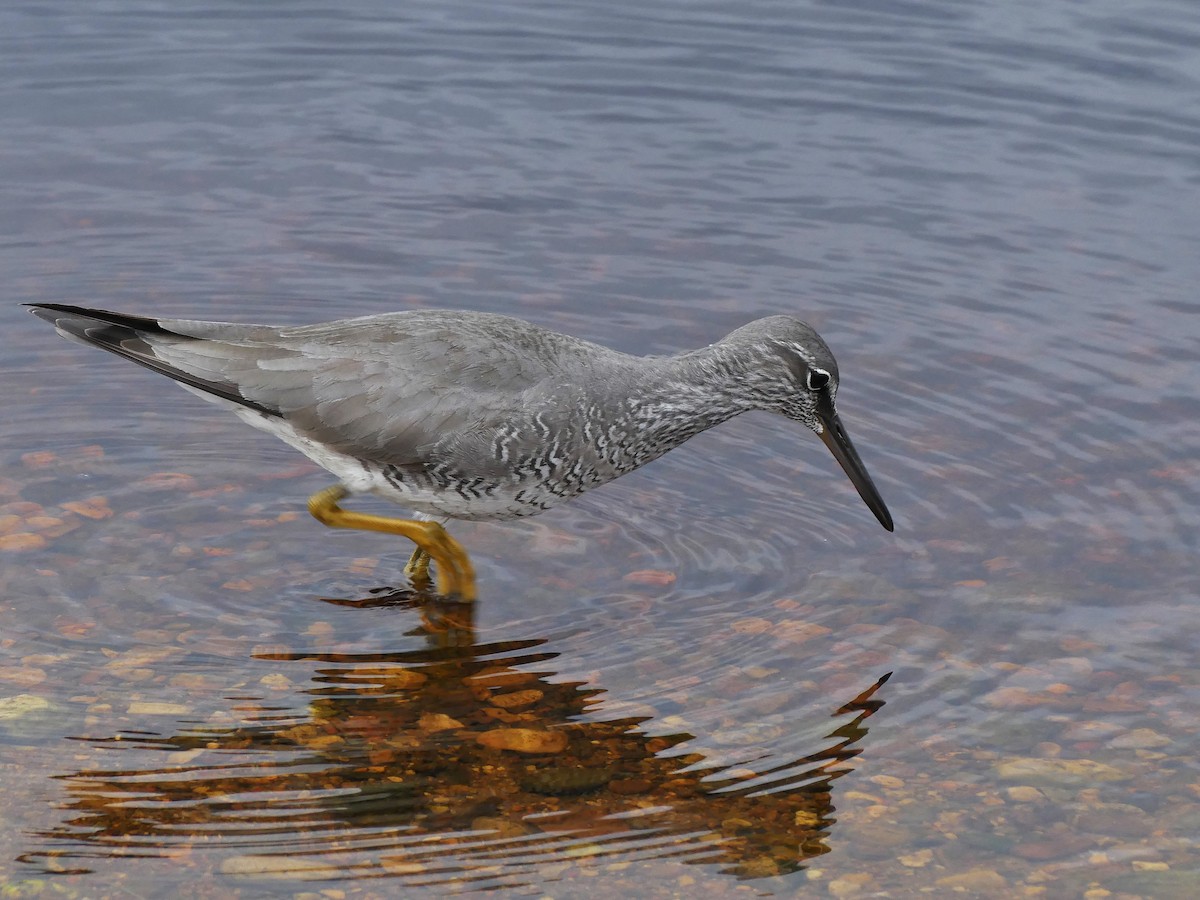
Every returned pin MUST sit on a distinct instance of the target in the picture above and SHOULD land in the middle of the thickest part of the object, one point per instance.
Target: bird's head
(795, 375)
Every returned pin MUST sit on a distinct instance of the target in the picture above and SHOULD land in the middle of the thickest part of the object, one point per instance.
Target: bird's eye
(817, 379)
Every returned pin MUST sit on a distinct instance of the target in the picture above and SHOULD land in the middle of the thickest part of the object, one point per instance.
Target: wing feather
(407, 389)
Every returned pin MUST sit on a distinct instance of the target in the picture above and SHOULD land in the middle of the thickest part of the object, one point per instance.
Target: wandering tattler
(466, 415)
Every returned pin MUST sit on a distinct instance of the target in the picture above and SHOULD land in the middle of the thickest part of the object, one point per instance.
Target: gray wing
(393, 389)
(386, 388)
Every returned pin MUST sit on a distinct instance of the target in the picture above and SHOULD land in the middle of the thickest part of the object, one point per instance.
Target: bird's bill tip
(839, 444)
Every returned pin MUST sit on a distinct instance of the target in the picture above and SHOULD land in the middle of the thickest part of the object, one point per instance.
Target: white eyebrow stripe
(801, 351)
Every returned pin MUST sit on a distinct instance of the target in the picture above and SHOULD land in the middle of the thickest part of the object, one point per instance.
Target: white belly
(503, 501)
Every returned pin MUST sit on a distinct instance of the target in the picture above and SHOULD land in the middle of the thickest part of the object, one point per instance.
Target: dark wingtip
(51, 312)
(43, 309)
(123, 335)
(46, 311)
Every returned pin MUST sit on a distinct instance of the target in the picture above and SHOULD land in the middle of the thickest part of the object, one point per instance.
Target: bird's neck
(690, 393)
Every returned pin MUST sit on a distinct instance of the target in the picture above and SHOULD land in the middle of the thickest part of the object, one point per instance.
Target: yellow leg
(456, 575)
(417, 568)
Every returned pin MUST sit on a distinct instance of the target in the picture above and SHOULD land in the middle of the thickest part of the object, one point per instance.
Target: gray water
(989, 212)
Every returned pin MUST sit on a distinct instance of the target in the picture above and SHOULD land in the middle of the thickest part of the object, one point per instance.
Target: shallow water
(989, 214)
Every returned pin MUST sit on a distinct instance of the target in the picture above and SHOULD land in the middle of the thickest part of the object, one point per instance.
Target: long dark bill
(843, 451)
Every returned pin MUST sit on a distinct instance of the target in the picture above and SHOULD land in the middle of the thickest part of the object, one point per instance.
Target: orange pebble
(91, 508)
(651, 576)
(22, 540)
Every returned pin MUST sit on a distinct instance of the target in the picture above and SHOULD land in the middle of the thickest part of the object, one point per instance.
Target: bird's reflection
(458, 762)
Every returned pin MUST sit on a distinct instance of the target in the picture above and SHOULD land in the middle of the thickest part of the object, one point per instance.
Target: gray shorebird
(467, 415)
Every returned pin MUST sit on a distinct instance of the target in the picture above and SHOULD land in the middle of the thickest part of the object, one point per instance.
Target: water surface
(989, 214)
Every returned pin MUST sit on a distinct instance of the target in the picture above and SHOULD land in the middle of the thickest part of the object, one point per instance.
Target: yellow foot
(417, 569)
(456, 575)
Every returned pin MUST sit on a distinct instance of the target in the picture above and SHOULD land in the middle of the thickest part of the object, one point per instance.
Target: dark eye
(817, 379)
